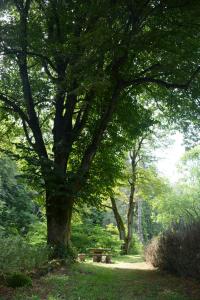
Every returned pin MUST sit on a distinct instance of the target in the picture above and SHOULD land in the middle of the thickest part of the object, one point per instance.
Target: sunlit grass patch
(128, 259)
(88, 281)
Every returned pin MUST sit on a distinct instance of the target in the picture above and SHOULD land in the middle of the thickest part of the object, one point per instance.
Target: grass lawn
(128, 259)
(88, 281)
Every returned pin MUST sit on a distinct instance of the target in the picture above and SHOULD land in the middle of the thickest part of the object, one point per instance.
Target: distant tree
(126, 229)
(182, 203)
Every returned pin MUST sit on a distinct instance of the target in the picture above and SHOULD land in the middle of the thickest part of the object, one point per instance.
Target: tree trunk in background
(139, 220)
(135, 158)
(119, 221)
(126, 237)
(131, 207)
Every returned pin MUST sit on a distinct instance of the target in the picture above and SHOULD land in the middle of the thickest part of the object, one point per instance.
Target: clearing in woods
(128, 278)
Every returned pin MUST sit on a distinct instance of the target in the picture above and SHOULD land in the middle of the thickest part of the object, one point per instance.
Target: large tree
(68, 67)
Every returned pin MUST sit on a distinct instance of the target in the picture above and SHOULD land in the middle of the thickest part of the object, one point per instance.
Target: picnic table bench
(101, 254)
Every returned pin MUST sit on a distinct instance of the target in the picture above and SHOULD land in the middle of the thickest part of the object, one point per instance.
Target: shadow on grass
(87, 281)
(99, 282)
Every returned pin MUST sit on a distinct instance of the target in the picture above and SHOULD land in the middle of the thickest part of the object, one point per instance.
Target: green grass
(86, 281)
(128, 259)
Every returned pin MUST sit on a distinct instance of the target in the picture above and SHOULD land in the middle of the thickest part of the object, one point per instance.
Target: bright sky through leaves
(168, 157)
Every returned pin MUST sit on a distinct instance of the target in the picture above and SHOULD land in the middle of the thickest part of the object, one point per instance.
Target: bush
(37, 233)
(86, 236)
(18, 280)
(136, 246)
(177, 250)
(18, 255)
(151, 252)
(67, 254)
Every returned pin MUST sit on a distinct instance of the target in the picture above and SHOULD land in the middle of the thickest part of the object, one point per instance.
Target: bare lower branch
(106, 206)
(160, 82)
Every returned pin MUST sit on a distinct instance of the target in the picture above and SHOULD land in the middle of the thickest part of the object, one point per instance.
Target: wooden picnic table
(99, 253)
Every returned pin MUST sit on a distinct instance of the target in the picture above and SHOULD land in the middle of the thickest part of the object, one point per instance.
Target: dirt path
(128, 262)
(131, 266)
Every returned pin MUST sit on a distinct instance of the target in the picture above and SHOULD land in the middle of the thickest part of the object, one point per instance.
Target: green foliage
(150, 225)
(136, 245)
(86, 236)
(189, 166)
(37, 233)
(91, 72)
(18, 255)
(99, 49)
(179, 202)
(81, 84)
(16, 199)
(67, 253)
(91, 216)
(18, 280)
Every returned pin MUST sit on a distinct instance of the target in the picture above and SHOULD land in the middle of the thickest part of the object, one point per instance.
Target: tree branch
(83, 114)
(8, 51)
(27, 91)
(160, 82)
(27, 135)
(98, 133)
(12, 104)
(106, 206)
(150, 68)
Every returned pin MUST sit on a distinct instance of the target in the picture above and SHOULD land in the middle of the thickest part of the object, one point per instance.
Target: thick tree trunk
(118, 219)
(59, 214)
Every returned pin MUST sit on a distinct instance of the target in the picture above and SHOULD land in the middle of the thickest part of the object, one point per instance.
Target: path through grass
(88, 281)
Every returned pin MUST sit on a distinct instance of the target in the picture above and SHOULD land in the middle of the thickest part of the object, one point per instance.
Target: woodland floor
(127, 278)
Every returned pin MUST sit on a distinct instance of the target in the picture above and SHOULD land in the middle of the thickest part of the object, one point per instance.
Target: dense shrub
(18, 280)
(37, 233)
(90, 236)
(151, 252)
(16, 200)
(18, 255)
(177, 250)
(136, 246)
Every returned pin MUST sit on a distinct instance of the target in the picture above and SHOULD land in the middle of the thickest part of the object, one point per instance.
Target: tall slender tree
(126, 232)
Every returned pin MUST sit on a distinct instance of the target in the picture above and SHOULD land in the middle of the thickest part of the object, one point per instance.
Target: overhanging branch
(98, 133)
(15, 108)
(161, 82)
(9, 51)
